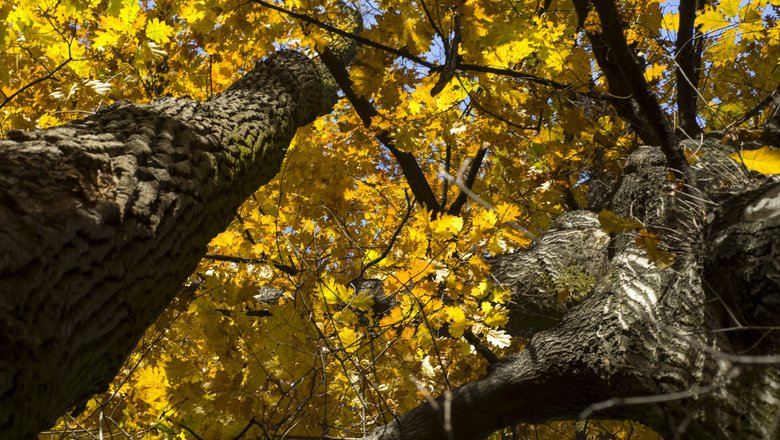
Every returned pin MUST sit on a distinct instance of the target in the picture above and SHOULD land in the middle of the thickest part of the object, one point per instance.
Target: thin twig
(311, 20)
(530, 235)
(289, 270)
(755, 110)
(396, 233)
(34, 82)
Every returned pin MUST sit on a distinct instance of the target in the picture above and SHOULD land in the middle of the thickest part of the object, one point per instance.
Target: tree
(356, 284)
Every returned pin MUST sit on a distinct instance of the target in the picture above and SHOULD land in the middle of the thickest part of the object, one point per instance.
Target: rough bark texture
(101, 220)
(645, 343)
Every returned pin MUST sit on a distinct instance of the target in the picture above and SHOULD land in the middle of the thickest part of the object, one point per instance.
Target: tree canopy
(356, 284)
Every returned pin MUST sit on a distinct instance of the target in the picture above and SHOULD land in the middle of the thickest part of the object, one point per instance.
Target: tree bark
(646, 343)
(103, 219)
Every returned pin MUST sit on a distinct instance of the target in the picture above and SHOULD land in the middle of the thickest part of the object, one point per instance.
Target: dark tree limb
(635, 101)
(451, 58)
(414, 175)
(687, 56)
(434, 25)
(470, 178)
(481, 347)
(469, 67)
(642, 344)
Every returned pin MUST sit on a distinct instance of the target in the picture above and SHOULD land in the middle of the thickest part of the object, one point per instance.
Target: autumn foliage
(338, 297)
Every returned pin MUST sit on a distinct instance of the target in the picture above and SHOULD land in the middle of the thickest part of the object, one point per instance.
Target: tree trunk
(645, 343)
(103, 219)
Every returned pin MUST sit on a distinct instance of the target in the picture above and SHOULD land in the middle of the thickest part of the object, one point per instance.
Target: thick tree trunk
(645, 343)
(101, 220)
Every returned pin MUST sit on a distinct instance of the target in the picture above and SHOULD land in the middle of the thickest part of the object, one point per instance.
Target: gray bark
(644, 343)
(101, 221)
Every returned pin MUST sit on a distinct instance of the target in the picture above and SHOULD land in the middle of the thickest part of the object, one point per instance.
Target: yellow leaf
(447, 224)
(500, 295)
(349, 339)
(480, 291)
(514, 52)
(485, 220)
(361, 301)
(671, 22)
(158, 31)
(729, 7)
(105, 38)
(654, 71)
(612, 222)
(129, 12)
(457, 328)
(765, 160)
(454, 314)
(711, 20)
(494, 316)
(333, 292)
(150, 385)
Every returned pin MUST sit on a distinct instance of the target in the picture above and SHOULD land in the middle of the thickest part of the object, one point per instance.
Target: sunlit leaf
(765, 160)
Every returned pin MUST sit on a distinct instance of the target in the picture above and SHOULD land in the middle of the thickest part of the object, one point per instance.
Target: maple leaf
(765, 160)
(498, 338)
(525, 87)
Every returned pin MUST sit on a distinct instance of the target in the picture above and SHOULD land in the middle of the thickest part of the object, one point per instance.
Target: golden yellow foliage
(325, 358)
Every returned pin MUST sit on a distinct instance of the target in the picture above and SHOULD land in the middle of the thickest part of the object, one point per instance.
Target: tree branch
(362, 40)
(687, 56)
(471, 177)
(140, 223)
(289, 270)
(392, 241)
(481, 347)
(513, 74)
(451, 60)
(433, 24)
(10, 97)
(412, 172)
(625, 77)
(447, 163)
(755, 110)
